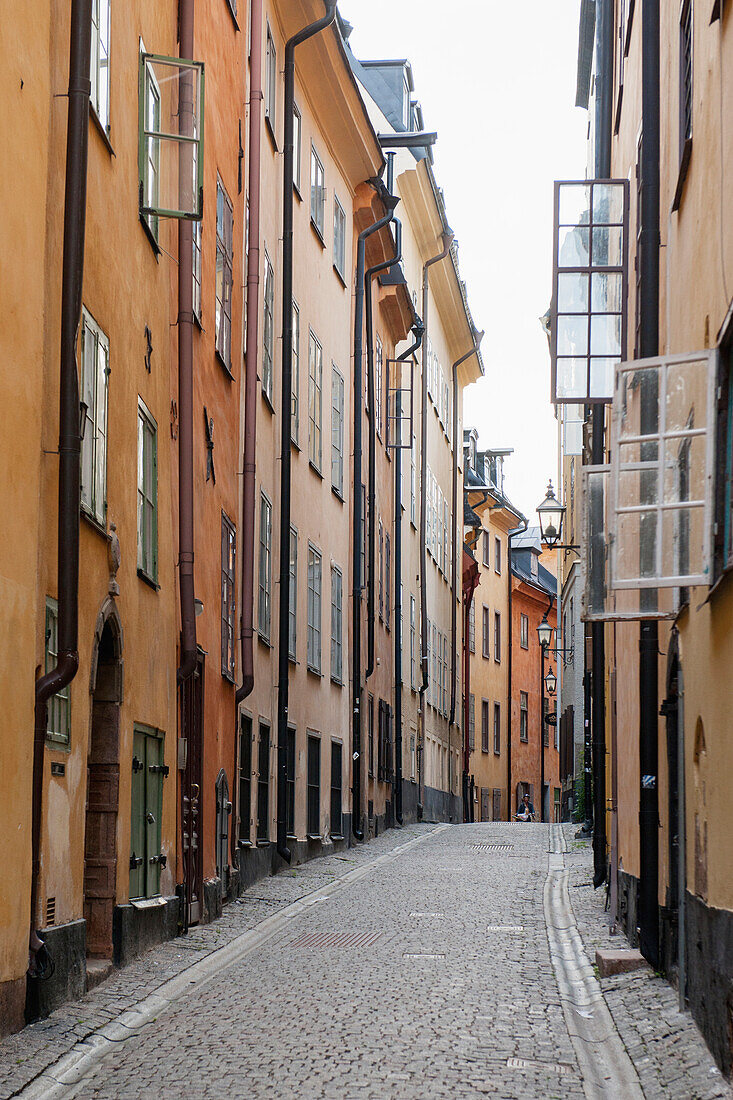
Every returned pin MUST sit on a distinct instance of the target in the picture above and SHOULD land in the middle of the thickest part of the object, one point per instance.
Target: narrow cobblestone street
(417, 966)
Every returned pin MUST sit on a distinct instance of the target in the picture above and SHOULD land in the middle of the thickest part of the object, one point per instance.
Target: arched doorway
(103, 782)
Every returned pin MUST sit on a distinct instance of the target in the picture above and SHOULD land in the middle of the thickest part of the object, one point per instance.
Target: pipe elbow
(187, 666)
(284, 852)
(246, 688)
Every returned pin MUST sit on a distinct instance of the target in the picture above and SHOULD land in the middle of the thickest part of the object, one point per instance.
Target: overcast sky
(497, 81)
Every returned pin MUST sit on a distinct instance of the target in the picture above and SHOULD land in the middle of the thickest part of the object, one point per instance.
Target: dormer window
(405, 101)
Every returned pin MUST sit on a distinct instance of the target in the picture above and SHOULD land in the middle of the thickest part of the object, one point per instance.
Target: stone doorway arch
(103, 782)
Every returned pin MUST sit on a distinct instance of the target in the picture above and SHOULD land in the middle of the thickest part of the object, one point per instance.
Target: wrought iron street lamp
(550, 513)
(544, 633)
(551, 682)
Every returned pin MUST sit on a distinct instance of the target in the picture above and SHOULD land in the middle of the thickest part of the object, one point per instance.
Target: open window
(399, 404)
(590, 274)
(170, 144)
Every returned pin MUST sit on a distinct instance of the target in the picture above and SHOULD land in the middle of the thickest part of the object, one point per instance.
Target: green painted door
(148, 774)
(137, 821)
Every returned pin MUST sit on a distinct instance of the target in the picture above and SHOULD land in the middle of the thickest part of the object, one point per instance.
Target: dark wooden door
(192, 729)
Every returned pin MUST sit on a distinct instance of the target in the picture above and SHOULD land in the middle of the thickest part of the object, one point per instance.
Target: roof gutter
(77, 141)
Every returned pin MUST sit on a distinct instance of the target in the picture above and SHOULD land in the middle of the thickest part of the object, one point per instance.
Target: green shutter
(153, 812)
(137, 818)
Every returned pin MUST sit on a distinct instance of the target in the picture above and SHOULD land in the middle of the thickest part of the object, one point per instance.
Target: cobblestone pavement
(429, 976)
(669, 1053)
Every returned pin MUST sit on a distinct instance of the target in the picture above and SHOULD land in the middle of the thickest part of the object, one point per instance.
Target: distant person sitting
(525, 811)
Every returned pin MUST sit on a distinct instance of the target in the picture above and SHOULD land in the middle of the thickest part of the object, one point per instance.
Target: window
(224, 261)
(685, 76)
(268, 329)
(295, 372)
(370, 721)
(486, 632)
(497, 636)
(337, 431)
(378, 383)
(58, 723)
(99, 68)
(151, 165)
(228, 551)
(315, 401)
(471, 721)
(297, 146)
(336, 625)
(314, 787)
(147, 494)
(387, 581)
(487, 549)
(497, 555)
(497, 728)
(472, 627)
(245, 777)
(148, 773)
(293, 609)
(362, 554)
(263, 785)
(339, 239)
(290, 783)
(724, 465)
(337, 826)
(94, 383)
(413, 666)
(270, 80)
(413, 483)
(314, 609)
(523, 716)
(524, 631)
(318, 193)
(381, 573)
(196, 270)
(264, 603)
(484, 725)
(447, 547)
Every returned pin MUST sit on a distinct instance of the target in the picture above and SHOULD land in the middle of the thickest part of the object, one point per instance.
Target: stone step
(619, 962)
(97, 971)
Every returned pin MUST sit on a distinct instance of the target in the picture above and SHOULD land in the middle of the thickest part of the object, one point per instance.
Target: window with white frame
(314, 609)
(472, 627)
(336, 625)
(378, 383)
(413, 662)
(224, 261)
(295, 372)
(270, 79)
(315, 401)
(485, 632)
(497, 728)
(471, 721)
(339, 238)
(94, 386)
(196, 269)
(497, 636)
(151, 166)
(524, 631)
(484, 725)
(147, 494)
(318, 193)
(297, 145)
(264, 602)
(293, 603)
(99, 67)
(58, 714)
(413, 482)
(497, 555)
(268, 329)
(337, 430)
(387, 580)
(523, 716)
(228, 553)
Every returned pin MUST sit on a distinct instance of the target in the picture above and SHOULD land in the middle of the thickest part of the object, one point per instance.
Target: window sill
(264, 641)
(338, 683)
(293, 660)
(340, 277)
(485, 751)
(245, 844)
(228, 676)
(297, 191)
(315, 672)
(148, 580)
(291, 836)
(94, 523)
(294, 443)
(55, 744)
(263, 844)
(337, 493)
(101, 130)
(318, 233)
(148, 903)
(684, 166)
(314, 836)
(315, 469)
(233, 15)
(197, 321)
(271, 133)
(266, 399)
(338, 836)
(223, 364)
(149, 234)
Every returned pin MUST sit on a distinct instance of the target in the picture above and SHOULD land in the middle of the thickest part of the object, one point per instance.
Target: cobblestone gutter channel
(605, 1064)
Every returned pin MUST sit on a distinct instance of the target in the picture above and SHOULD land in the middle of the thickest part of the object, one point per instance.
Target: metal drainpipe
(510, 796)
(649, 346)
(250, 385)
(417, 329)
(75, 194)
(369, 274)
(285, 415)
(185, 382)
(358, 534)
(447, 237)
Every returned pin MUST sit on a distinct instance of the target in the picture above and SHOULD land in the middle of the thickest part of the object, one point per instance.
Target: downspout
(75, 192)
(250, 357)
(478, 337)
(250, 387)
(417, 330)
(510, 796)
(371, 397)
(447, 237)
(649, 346)
(682, 845)
(185, 380)
(390, 202)
(467, 801)
(285, 415)
(603, 129)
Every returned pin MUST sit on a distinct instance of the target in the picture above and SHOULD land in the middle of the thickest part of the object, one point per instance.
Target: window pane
(608, 203)
(572, 292)
(574, 204)
(572, 335)
(573, 247)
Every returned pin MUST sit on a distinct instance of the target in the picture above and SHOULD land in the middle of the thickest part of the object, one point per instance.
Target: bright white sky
(497, 81)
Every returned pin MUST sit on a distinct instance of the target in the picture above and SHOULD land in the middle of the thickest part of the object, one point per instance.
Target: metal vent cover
(492, 847)
(332, 940)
